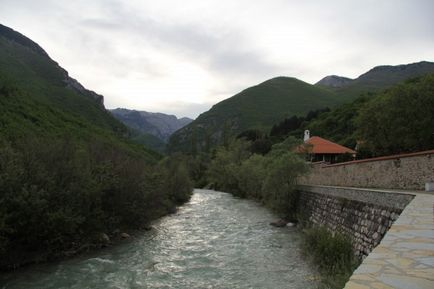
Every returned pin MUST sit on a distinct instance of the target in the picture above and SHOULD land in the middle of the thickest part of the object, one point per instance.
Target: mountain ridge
(16, 37)
(379, 78)
(262, 105)
(258, 106)
(48, 101)
(334, 81)
(157, 124)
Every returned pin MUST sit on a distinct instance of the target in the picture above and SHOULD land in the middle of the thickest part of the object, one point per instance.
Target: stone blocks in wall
(363, 222)
(409, 171)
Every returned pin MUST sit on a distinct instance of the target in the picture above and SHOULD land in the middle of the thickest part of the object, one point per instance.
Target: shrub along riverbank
(269, 179)
(332, 254)
(60, 196)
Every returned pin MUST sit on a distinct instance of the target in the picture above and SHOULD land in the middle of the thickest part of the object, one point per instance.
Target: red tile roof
(318, 145)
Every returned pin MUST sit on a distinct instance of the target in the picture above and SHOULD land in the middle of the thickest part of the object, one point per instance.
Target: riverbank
(20, 258)
(61, 195)
(213, 241)
(331, 253)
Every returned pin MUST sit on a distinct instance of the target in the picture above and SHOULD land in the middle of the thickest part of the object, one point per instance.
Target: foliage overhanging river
(214, 241)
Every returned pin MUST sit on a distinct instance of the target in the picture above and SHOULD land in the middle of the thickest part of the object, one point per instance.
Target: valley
(285, 184)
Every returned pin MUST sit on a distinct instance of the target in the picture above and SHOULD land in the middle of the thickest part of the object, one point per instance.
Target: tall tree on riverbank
(270, 179)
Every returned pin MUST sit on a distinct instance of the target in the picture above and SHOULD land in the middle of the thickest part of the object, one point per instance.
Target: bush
(332, 253)
(250, 176)
(222, 172)
(279, 185)
(178, 184)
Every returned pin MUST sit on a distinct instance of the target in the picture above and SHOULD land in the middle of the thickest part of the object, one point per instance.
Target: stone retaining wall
(364, 217)
(407, 171)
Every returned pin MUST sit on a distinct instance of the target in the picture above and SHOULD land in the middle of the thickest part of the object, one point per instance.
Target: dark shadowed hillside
(69, 173)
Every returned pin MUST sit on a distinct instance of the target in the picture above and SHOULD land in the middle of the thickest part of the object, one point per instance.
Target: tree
(399, 120)
(223, 169)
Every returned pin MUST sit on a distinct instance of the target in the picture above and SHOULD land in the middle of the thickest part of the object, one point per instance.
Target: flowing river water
(214, 241)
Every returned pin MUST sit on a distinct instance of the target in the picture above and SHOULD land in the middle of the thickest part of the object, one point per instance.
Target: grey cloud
(229, 53)
(192, 110)
(107, 40)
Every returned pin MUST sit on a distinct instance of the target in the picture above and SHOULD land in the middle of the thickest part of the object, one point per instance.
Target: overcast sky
(181, 57)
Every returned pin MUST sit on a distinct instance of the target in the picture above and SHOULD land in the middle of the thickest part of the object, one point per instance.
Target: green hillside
(257, 107)
(398, 120)
(382, 77)
(148, 140)
(46, 101)
(263, 105)
(69, 174)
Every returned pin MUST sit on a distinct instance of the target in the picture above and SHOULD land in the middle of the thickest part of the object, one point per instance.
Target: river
(213, 241)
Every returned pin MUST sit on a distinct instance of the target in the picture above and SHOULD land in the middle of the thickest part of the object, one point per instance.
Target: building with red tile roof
(319, 149)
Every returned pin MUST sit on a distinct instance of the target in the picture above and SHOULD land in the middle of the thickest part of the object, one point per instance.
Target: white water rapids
(213, 241)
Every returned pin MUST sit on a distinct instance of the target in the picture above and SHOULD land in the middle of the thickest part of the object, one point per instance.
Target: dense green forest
(398, 120)
(70, 175)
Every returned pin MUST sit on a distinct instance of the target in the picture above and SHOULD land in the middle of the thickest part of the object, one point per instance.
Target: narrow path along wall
(362, 215)
(405, 257)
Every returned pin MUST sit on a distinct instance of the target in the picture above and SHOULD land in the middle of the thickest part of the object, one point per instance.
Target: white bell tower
(306, 135)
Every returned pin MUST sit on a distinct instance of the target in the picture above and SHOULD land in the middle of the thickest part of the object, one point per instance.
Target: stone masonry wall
(408, 171)
(364, 222)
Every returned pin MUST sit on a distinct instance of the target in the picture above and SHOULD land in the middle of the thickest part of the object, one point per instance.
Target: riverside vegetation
(332, 254)
(59, 193)
(270, 178)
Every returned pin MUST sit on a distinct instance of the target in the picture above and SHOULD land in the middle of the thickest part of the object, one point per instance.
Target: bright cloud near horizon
(181, 57)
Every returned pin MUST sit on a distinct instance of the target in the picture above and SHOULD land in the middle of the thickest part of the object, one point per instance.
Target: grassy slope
(43, 106)
(259, 107)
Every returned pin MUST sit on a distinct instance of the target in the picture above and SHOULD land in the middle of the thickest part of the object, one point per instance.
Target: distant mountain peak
(390, 74)
(376, 79)
(155, 123)
(334, 81)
